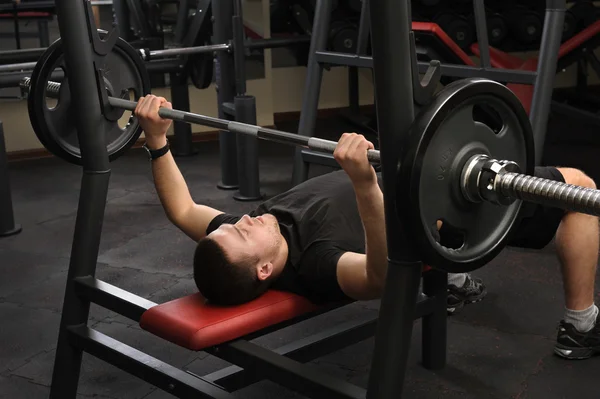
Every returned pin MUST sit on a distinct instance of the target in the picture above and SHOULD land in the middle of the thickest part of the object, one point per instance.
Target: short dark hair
(221, 281)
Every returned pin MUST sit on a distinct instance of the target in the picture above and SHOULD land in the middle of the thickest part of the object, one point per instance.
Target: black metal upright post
(312, 84)
(180, 98)
(482, 32)
(73, 22)
(225, 85)
(393, 91)
(7, 217)
(546, 73)
(245, 112)
(121, 14)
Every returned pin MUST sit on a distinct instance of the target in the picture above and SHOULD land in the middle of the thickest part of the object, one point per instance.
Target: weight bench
(567, 54)
(225, 332)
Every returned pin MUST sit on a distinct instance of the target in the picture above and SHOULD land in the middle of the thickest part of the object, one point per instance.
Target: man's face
(258, 237)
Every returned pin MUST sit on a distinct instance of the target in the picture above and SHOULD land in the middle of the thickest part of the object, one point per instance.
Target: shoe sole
(574, 353)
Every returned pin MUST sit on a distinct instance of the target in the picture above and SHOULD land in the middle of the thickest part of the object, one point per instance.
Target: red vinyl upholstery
(27, 15)
(193, 324)
(500, 59)
(439, 32)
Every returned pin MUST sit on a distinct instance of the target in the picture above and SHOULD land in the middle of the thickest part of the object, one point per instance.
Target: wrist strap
(154, 154)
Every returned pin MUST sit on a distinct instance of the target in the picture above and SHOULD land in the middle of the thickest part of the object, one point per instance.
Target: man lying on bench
(325, 238)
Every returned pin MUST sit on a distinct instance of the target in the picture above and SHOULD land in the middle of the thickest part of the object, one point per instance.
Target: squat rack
(394, 87)
(319, 57)
(283, 365)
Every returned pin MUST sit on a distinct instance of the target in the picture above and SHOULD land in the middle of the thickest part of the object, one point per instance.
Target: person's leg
(576, 240)
(577, 245)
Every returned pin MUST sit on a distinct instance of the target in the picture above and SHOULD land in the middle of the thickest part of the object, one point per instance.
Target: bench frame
(252, 363)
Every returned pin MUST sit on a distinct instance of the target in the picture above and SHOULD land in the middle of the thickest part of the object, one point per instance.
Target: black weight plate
(466, 118)
(201, 67)
(55, 127)
(497, 29)
(457, 27)
(527, 26)
(344, 39)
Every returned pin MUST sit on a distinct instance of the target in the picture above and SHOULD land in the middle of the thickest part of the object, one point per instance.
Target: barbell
(467, 162)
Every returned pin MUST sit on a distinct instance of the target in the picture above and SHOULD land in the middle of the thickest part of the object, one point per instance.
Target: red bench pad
(192, 323)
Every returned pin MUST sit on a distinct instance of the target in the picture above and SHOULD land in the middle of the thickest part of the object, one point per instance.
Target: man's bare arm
(174, 194)
(363, 276)
(175, 197)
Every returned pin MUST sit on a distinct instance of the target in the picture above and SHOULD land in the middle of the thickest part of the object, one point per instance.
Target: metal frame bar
(312, 84)
(458, 71)
(7, 216)
(162, 375)
(390, 44)
(73, 22)
(225, 71)
(546, 73)
(288, 372)
(26, 59)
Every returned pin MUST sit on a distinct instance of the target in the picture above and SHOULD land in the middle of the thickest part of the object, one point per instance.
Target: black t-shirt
(319, 219)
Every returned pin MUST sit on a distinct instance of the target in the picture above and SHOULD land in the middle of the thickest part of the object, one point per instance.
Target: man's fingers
(138, 108)
(147, 106)
(354, 147)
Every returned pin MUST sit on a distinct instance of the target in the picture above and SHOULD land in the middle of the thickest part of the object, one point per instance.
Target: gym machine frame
(398, 306)
(391, 41)
(541, 79)
(284, 365)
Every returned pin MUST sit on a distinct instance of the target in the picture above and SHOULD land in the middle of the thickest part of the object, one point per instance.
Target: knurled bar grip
(312, 143)
(550, 193)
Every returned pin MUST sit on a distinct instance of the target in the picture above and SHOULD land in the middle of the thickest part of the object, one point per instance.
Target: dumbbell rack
(542, 79)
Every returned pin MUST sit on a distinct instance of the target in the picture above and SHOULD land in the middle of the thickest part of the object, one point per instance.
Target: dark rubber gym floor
(499, 348)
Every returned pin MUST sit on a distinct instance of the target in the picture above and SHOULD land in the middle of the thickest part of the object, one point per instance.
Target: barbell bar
(148, 55)
(209, 48)
(480, 176)
(259, 132)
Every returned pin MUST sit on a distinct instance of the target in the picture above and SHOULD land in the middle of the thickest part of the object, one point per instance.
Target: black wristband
(154, 154)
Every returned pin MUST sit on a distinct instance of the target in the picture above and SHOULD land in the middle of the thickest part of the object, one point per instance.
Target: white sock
(583, 320)
(457, 279)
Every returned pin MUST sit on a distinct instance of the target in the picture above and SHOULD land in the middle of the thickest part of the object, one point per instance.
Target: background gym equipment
(430, 44)
(525, 25)
(8, 227)
(457, 27)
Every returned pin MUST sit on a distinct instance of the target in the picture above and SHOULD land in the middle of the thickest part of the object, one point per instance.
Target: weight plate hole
(52, 91)
(450, 236)
(490, 117)
(125, 119)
